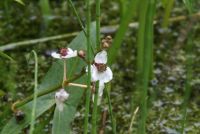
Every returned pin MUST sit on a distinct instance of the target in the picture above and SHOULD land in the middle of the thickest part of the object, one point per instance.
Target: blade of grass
(143, 5)
(80, 21)
(113, 121)
(189, 70)
(132, 119)
(35, 93)
(95, 111)
(77, 16)
(130, 12)
(168, 10)
(2, 54)
(189, 5)
(88, 92)
(98, 12)
(147, 61)
(46, 11)
(189, 76)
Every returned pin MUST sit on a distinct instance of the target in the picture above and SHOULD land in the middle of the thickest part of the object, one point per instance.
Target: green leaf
(189, 5)
(130, 12)
(53, 80)
(20, 2)
(43, 104)
(2, 54)
(62, 120)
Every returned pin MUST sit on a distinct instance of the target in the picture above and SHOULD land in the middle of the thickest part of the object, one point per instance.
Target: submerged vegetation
(133, 67)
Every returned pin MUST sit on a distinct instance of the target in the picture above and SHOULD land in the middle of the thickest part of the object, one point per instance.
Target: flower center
(100, 67)
(63, 52)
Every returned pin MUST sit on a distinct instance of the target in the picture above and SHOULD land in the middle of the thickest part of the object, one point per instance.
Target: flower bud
(81, 54)
(60, 97)
(105, 45)
(106, 42)
(19, 116)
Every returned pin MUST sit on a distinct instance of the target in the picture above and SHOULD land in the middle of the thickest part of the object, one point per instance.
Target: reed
(146, 58)
(88, 92)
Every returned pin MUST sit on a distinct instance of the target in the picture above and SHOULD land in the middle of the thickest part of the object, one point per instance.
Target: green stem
(64, 73)
(98, 12)
(36, 41)
(88, 92)
(78, 17)
(189, 76)
(130, 12)
(95, 109)
(79, 20)
(35, 93)
(148, 43)
(113, 121)
(95, 106)
(168, 10)
(47, 91)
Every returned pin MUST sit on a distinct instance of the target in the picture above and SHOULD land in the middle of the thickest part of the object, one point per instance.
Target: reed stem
(95, 110)
(88, 92)
(113, 121)
(95, 106)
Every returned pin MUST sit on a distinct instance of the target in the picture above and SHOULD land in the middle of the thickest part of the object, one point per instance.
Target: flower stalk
(44, 92)
(64, 73)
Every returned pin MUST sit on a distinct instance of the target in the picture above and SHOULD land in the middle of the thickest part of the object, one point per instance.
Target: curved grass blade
(2, 54)
(35, 93)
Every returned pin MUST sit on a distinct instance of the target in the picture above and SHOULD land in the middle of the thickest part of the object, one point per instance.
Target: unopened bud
(105, 45)
(108, 37)
(19, 116)
(106, 42)
(81, 54)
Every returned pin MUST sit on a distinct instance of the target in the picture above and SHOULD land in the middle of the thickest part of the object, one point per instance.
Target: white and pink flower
(60, 97)
(101, 72)
(64, 53)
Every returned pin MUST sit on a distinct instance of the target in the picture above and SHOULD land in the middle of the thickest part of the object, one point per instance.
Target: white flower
(60, 97)
(65, 53)
(100, 72)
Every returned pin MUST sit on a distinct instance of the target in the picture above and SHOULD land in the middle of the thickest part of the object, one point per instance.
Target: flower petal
(101, 57)
(100, 93)
(60, 97)
(108, 74)
(56, 55)
(94, 71)
(70, 50)
(101, 88)
(105, 76)
(70, 54)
